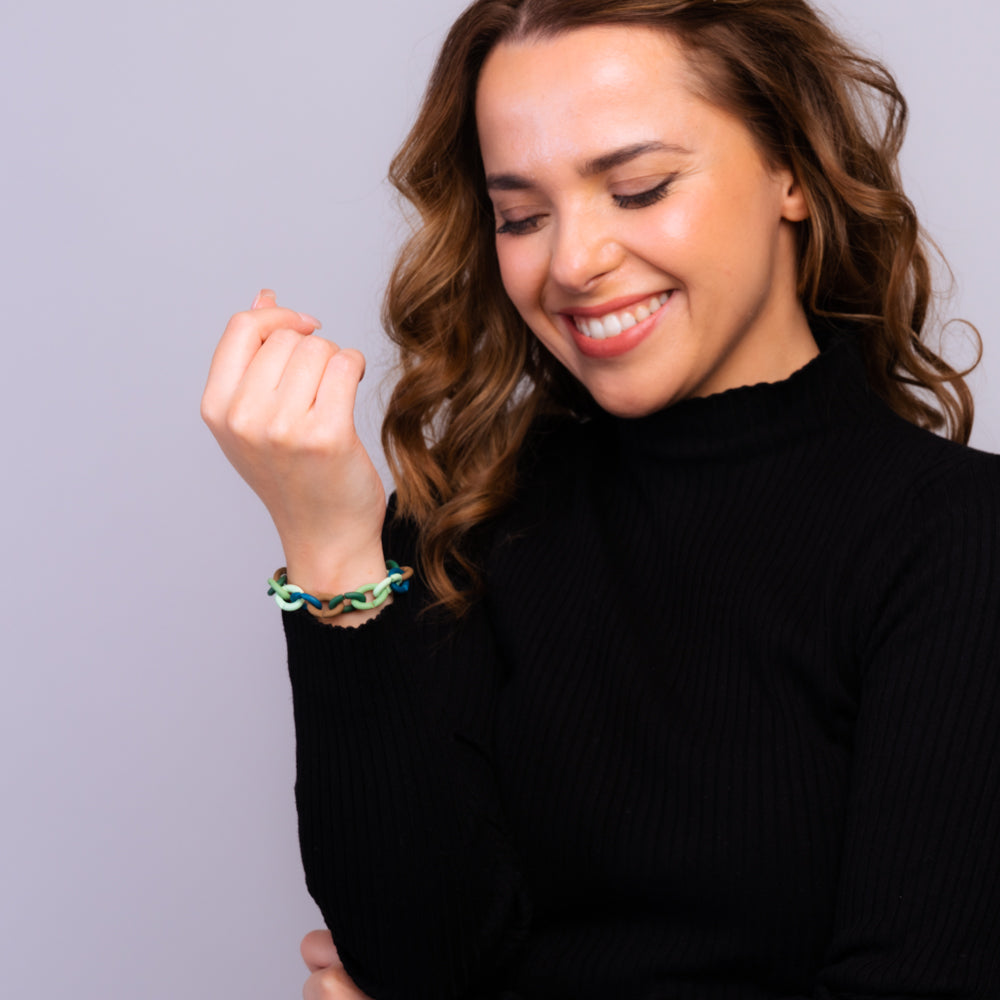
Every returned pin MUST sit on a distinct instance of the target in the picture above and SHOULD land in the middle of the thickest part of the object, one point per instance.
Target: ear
(794, 206)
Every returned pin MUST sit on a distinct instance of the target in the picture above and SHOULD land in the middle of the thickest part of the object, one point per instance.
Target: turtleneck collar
(831, 389)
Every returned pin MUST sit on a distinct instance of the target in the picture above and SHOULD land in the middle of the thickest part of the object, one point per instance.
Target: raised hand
(328, 980)
(280, 402)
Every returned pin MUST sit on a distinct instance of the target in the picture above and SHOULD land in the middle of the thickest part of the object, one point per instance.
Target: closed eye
(644, 198)
(519, 227)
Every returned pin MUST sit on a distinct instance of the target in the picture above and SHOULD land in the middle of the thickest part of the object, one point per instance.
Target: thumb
(265, 298)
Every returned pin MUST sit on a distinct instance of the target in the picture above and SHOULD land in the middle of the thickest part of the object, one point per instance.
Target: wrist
(351, 604)
(336, 575)
(334, 567)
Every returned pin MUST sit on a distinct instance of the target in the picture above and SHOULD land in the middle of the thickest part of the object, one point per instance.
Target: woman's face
(640, 234)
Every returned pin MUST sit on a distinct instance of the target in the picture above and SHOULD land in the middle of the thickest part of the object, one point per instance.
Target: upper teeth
(611, 324)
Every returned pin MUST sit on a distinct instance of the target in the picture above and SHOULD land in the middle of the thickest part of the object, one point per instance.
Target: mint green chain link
(379, 592)
(283, 594)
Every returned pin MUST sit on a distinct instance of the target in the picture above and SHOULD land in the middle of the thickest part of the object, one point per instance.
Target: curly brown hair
(472, 376)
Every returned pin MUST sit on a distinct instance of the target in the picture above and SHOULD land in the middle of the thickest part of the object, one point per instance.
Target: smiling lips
(614, 323)
(617, 331)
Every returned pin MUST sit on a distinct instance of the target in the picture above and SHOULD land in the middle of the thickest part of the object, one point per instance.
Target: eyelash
(519, 227)
(643, 199)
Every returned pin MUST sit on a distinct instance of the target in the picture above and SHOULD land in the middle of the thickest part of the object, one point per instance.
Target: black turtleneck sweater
(727, 724)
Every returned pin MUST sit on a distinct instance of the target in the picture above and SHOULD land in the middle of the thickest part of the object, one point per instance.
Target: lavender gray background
(161, 162)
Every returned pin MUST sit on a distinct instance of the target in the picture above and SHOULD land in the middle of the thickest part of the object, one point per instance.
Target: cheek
(521, 272)
(676, 237)
(707, 236)
(680, 223)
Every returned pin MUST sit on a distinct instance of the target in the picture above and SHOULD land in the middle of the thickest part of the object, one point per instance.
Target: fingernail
(306, 318)
(260, 295)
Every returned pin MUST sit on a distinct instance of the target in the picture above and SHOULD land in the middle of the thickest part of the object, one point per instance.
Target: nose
(584, 250)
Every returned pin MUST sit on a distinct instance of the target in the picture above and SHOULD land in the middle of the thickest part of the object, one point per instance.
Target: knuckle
(208, 412)
(240, 324)
(347, 366)
(352, 358)
(316, 346)
(241, 423)
(285, 337)
(282, 433)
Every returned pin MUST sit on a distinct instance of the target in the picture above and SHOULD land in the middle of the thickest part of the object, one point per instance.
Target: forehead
(585, 89)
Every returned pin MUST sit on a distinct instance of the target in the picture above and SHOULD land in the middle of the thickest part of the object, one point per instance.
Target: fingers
(338, 390)
(329, 980)
(303, 372)
(300, 389)
(264, 373)
(319, 951)
(243, 337)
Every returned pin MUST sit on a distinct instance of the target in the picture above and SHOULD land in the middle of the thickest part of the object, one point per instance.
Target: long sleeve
(918, 903)
(400, 829)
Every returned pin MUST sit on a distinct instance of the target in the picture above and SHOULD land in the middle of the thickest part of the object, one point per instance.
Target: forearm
(399, 824)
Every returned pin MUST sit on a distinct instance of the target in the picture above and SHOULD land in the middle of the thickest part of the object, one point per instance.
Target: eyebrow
(598, 165)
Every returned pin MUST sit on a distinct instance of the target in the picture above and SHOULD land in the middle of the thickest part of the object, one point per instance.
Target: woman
(694, 692)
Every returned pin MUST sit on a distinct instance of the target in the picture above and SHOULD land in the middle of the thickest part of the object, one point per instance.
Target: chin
(629, 405)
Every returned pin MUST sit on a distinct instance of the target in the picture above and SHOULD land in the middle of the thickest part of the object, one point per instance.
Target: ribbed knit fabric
(726, 727)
